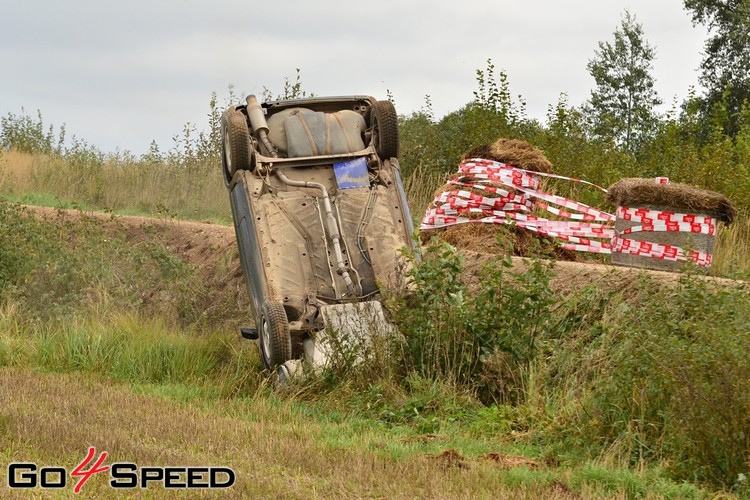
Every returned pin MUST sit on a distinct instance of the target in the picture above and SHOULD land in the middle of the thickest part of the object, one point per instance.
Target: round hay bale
(498, 239)
(648, 194)
(514, 152)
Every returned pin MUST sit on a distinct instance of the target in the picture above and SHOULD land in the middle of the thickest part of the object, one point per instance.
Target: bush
(476, 340)
(679, 380)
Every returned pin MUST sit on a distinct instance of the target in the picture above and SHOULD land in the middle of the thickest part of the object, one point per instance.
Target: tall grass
(653, 376)
(184, 181)
(133, 348)
(118, 183)
(732, 251)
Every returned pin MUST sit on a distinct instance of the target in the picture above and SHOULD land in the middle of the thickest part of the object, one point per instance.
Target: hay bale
(673, 197)
(513, 152)
(498, 238)
(639, 192)
(478, 236)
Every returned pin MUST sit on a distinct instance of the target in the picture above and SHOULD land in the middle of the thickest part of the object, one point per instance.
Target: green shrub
(28, 135)
(685, 378)
(656, 374)
(478, 340)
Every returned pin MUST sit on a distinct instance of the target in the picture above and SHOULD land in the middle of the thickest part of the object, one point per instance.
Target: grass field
(515, 381)
(129, 386)
(156, 386)
(276, 448)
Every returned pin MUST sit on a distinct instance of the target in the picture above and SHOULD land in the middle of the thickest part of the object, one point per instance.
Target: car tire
(236, 148)
(384, 122)
(275, 339)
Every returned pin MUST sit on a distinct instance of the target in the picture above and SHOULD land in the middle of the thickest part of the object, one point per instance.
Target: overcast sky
(120, 74)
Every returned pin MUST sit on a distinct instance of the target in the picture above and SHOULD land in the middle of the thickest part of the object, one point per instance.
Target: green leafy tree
(725, 69)
(622, 104)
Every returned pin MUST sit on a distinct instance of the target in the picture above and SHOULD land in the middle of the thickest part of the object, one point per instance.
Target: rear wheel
(384, 122)
(275, 340)
(236, 151)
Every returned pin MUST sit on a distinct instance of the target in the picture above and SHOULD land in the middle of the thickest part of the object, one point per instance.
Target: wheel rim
(265, 342)
(227, 153)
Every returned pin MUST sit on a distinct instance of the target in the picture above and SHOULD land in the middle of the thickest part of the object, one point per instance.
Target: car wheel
(384, 122)
(236, 150)
(275, 340)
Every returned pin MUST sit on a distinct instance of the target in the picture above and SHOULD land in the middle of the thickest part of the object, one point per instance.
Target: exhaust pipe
(259, 124)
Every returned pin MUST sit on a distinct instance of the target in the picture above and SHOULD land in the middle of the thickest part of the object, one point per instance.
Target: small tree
(622, 104)
(725, 70)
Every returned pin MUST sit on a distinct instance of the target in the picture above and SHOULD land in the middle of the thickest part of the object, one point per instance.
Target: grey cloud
(153, 65)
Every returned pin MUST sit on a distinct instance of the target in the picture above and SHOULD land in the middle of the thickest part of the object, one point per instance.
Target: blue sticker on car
(352, 174)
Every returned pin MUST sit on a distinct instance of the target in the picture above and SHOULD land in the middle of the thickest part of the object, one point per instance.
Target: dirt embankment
(211, 249)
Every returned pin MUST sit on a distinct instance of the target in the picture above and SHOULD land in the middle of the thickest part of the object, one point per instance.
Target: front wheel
(275, 339)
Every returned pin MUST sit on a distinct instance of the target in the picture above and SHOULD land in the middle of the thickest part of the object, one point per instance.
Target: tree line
(617, 132)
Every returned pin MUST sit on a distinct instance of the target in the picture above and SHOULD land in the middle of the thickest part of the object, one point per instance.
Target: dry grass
(51, 419)
(499, 239)
(16, 168)
(732, 253)
(119, 184)
(640, 192)
(420, 190)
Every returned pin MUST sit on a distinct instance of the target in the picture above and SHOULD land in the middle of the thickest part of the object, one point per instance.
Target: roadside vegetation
(506, 384)
(501, 387)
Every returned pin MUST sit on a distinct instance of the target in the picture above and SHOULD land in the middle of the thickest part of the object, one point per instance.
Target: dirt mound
(211, 250)
(449, 459)
(509, 461)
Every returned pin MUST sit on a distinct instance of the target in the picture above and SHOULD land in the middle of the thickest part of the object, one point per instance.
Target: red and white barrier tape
(517, 194)
(663, 221)
(588, 230)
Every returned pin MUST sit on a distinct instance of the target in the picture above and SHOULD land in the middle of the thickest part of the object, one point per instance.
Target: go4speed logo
(25, 475)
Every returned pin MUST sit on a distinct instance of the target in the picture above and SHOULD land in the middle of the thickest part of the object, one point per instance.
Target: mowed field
(275, 451)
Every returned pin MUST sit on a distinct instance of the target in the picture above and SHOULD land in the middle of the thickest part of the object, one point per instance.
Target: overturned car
(320, 217)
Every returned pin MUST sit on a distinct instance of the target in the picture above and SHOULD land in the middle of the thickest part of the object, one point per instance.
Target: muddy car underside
(319, 212)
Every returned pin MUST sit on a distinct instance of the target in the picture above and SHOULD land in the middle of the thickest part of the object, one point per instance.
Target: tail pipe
(331, 227)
